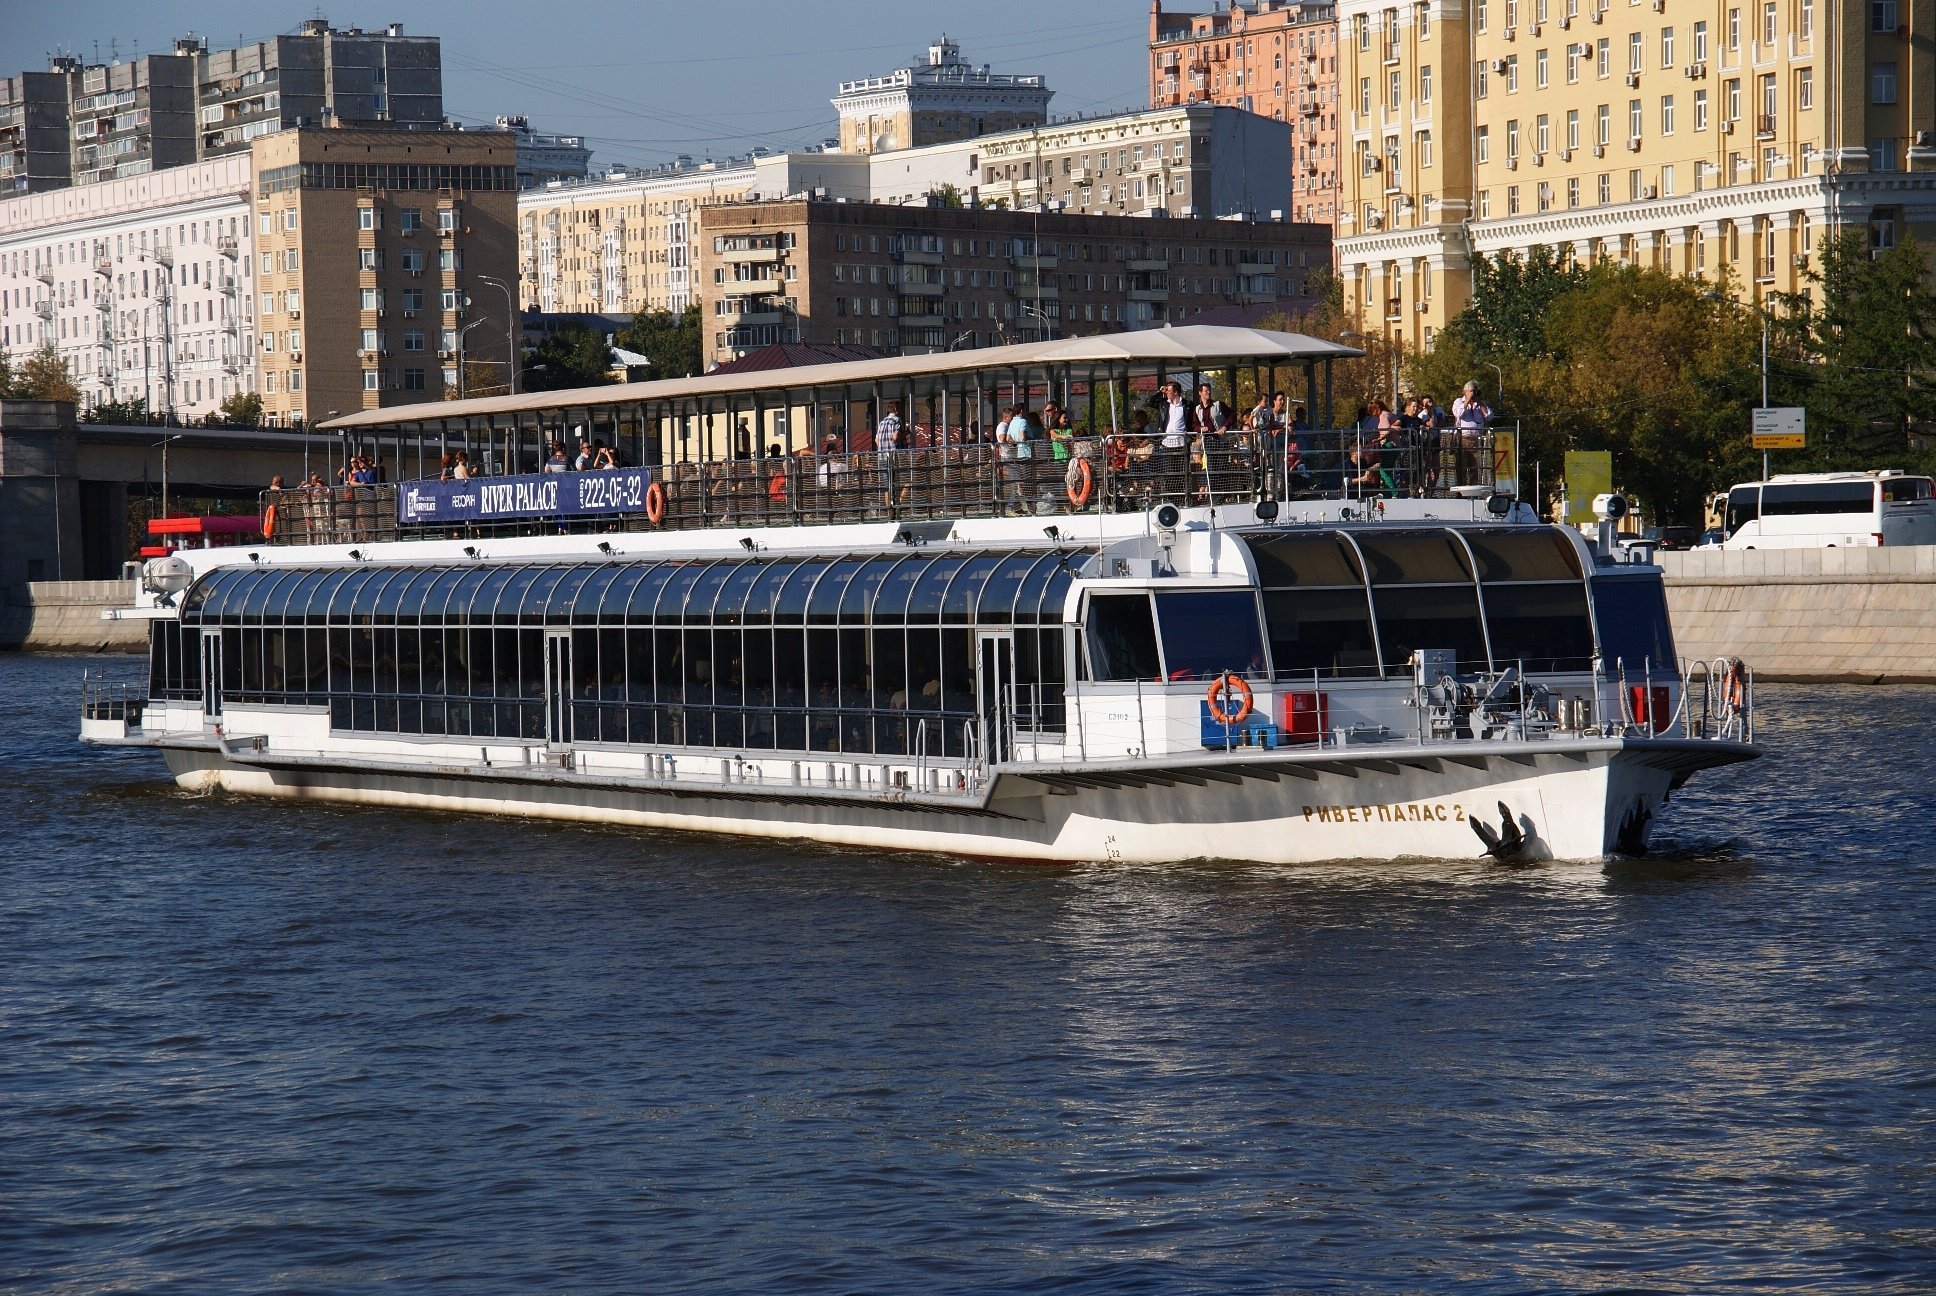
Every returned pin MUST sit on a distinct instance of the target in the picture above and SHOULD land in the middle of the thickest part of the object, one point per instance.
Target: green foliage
(243, 409)
(1866, 347)
(1511, 296)
(574, 355)
(673, 343)
(44, 377)
(6, 376)
(133, 410)
(945, 195)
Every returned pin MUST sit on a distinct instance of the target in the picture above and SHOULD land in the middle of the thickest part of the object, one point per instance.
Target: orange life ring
(268, 522)
(1734, 688)
(1084, 485)
(655, 503)
(1220, 689)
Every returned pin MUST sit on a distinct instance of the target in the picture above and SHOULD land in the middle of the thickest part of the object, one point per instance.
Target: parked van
(1827, 510)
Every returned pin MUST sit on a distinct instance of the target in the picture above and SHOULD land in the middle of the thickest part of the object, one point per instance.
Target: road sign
(1781, 428)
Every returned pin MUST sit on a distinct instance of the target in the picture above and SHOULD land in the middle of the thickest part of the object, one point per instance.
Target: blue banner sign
(483, 499)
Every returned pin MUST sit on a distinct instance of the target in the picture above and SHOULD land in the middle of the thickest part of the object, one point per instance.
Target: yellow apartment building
(1696, 136)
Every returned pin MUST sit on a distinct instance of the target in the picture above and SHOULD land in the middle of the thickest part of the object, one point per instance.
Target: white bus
(1826, 510)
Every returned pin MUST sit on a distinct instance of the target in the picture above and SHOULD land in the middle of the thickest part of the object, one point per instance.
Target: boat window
(823, 608)
(997, 604)
(439, 602)
(276, 605)
(1540, 627)
(563, 594)
(704, 596)
(484, 595)
(1744, 506)
(641, 604)
(965, 590)
(1122, 638)
(516, 600)
(362, 590)
(792, 607)
(595, 594)
(1524, 555)
(1630, 613)
(897, 588)
(1319, 559)
(768, 577)
(1795, 499)
(1326, 631)
(671, 609)
(730, 608)
(1411, 617)
(931, 588)
(331, 597)
(1042, 593)
(1207, 632)
(857, 601)
(1414, 558)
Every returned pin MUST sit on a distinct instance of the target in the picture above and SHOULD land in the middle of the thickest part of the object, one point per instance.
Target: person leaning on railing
(1471, 414)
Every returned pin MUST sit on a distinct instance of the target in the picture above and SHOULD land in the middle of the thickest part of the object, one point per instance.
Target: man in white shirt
(1470, 414)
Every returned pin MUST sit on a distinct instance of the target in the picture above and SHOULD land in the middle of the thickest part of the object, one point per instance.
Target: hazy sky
(648, 80)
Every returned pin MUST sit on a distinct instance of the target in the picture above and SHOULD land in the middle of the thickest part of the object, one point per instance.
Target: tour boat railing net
(1109, 474)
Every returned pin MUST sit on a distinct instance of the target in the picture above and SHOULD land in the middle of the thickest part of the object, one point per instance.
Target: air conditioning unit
(416, 274)
(1633, 79)
(1660, 6)
(1633, 144)
(380, 312)
(1598, 15)
(1599, 150)
(410, 314)
(1727, 127)
(1566, 23)
(1499, 67)
(295, 357)
(1510, 36)
(1566, 155)
(1539, 159)
(1422, 307)
(1647, 193)
(1372, 163)
(446, 355)
(1512, 164)
(1535, 31)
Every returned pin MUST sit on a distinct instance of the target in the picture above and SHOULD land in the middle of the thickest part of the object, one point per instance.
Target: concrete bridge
(69, 491)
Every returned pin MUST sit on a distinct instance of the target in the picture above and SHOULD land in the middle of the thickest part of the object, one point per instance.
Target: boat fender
(1082, 483)
(655, 503)
(1220, 690)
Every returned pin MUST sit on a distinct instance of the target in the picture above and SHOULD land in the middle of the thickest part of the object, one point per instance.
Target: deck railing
(1109, 474)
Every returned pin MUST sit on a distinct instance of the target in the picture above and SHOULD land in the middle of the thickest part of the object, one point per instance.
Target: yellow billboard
(1588, 473)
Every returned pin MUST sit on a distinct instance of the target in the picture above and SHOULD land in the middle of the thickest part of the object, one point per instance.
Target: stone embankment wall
(65, 616)
(1862, 615)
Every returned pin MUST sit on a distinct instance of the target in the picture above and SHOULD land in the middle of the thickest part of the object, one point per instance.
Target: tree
(133, 410)
(1869, 333)
(244, 409)
(572, 355)
(6, 376)
(672, 343)
(44, 377)
(945, 195)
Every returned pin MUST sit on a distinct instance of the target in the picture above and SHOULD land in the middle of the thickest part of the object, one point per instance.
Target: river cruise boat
(824, 603)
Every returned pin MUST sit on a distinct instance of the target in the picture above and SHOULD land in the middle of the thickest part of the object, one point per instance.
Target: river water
(250, 1046)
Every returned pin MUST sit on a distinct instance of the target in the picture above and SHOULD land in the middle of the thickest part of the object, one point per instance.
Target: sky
(649, 80)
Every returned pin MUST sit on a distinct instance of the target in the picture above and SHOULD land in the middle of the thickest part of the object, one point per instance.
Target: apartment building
(630, 242)
(922, 279)
(383, 258)
(1697, 136)
(143, 286)
(936, 99)
(1275, 58)
(76, 124)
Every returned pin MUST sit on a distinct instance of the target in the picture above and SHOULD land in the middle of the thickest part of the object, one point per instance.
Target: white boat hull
(1578, 800)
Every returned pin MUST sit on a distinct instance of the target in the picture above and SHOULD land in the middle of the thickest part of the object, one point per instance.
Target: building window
(447, 219)
(450, 258)
(413, 260)
(371, 380)
(413, 380)
(368, 339)
(1636, 55)
(1603, 58)
(1633, 119)
(1573, 191)
(1882, 155)
(1425, 84)
(366, 218)
(1479, 79)
(1604, 188)
(1512, 140)
(294, 300)
(290, 259)
(1700, 110)
(448, 299)
(413, 299)
(1482, 139)
(1805, 89)
(1667, 114)
(1603, 126)
(1424, 149)
(1700, 42)
(1734, 29)
(1512, 200)
(372, 299)
(1882, 82)
(289, 218)
(1512, 74)
(1667, 47)
(1540, 78)
(1542, 135)
(410, 219)
(413, 340)
(262, 225)
(1768, 23)
(1572, 64)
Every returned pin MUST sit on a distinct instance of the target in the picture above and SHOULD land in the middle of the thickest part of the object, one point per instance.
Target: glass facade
(859, 654)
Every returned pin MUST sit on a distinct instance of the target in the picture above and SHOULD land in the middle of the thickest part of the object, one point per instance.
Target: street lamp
(1048, 325)
(510, 325)
(963, 338)
(460, 352)
(162, 445)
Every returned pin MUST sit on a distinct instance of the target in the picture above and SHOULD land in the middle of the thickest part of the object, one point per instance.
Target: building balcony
(1147, 265)
(1027, 261)
(751, 256)
(923, 289)
(908, 256)
(763, 286)
(1257, 268)
(750, 316)
(1149, 294)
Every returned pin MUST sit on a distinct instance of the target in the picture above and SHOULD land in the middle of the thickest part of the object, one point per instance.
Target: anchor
(1504, 844)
